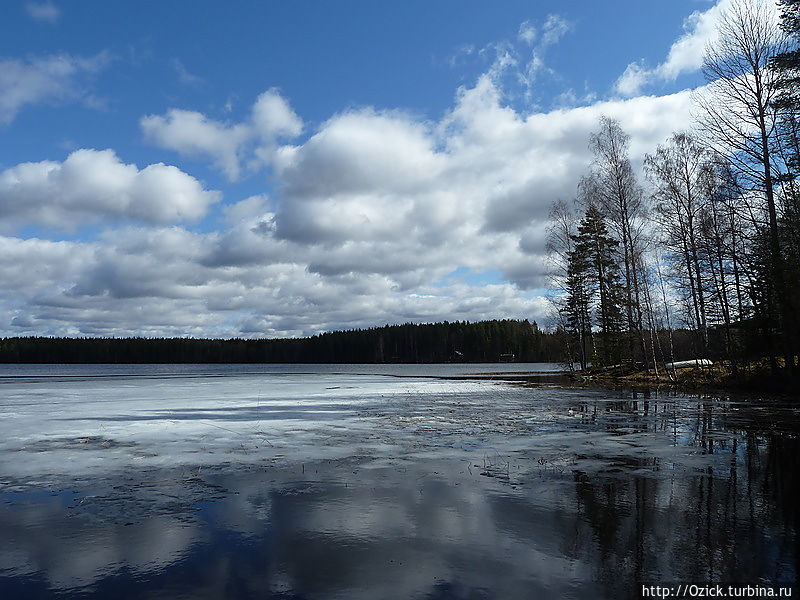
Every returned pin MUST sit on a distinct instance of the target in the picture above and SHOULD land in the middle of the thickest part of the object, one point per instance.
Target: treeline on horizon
(458, 341)
(709, 241)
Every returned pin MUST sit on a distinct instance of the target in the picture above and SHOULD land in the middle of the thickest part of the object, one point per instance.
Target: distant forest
(505, 340)
(460, 341)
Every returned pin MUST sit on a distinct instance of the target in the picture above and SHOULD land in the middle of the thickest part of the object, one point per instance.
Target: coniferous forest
(459, 341)
(485, 341)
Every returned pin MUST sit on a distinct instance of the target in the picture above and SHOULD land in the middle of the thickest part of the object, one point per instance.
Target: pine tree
(598, 252)
(576, 309)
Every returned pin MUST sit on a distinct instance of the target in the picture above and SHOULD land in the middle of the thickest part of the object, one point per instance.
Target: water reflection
(731, 515)
(561, 494)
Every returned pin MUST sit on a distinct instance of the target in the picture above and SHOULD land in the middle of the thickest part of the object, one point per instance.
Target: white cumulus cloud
(92, 185)
(228, 145)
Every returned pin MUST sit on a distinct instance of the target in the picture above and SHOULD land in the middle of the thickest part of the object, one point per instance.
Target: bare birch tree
(678, 172)
(738, 117)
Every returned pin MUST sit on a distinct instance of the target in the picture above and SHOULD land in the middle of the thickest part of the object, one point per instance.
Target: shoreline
(753, 378)
(691, 380)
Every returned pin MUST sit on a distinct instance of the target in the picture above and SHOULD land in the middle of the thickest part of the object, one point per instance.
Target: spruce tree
(577, 309)
(596, 250)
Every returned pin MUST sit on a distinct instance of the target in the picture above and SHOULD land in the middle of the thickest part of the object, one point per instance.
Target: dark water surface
(382, 482)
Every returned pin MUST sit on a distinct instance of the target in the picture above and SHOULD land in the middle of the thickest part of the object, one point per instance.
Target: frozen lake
(382, 481)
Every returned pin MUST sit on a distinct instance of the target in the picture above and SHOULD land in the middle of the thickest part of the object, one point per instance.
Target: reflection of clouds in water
(407, 543)
(430, 530)
(247, 512)
(390, 534)
(77, 551)
(157, 543)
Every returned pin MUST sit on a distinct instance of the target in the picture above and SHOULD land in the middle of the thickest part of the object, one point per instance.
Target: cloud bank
(374, 215)
(379, 217)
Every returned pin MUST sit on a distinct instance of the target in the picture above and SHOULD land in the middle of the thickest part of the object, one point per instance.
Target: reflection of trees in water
(733, 520)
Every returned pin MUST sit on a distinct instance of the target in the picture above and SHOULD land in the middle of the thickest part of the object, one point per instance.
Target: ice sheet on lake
(53, 428)
(92, 425)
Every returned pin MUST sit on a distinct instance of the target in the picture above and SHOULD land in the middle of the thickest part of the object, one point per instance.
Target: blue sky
(280, 168)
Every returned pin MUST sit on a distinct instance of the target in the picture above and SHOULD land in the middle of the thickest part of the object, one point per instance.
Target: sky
(277, 169)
